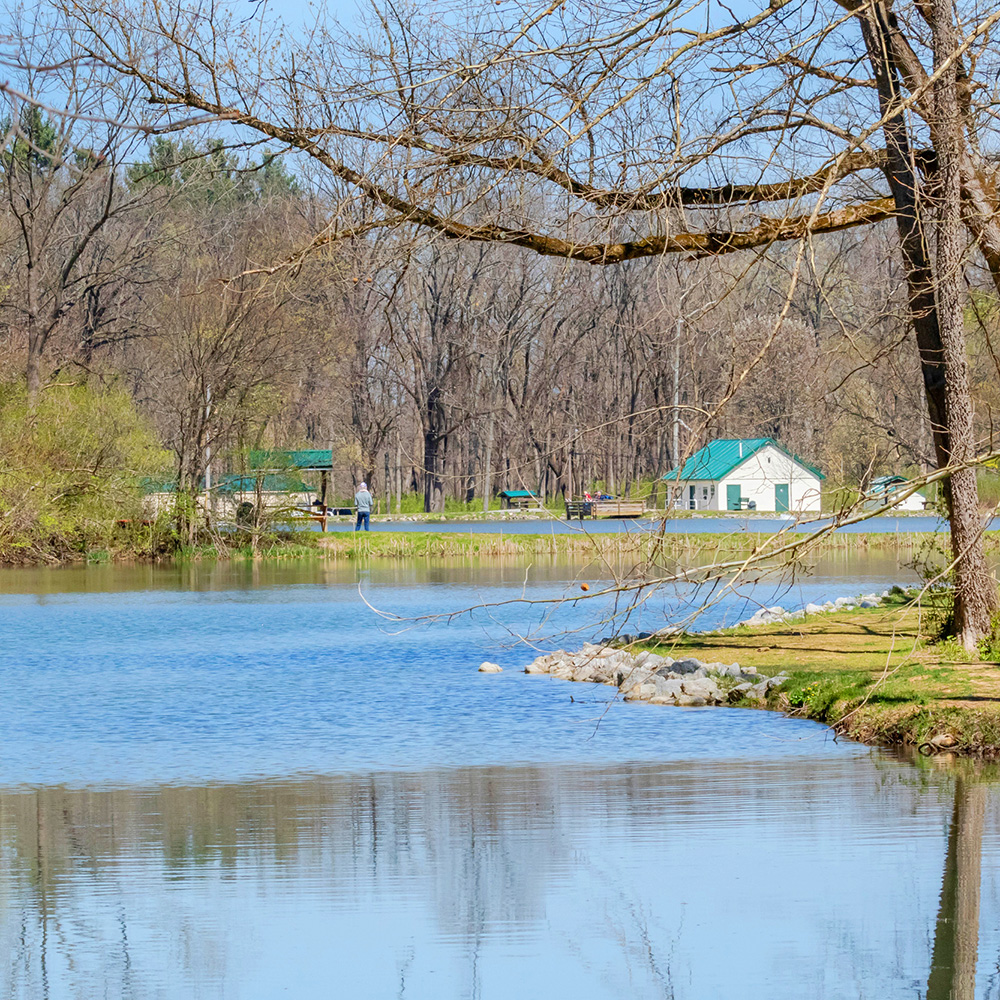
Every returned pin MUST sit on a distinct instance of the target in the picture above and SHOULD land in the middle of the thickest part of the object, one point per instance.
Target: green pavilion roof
(718, 458)
(303, 460)
(274, 482)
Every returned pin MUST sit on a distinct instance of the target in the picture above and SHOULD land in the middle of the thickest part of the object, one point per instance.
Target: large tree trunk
(435, 447)
(33, 362)
(488, 460)
(433, 480)
(935, 303)
(975, 591)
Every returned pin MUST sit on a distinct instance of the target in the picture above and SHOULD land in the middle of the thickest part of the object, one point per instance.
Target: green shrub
(70, 472)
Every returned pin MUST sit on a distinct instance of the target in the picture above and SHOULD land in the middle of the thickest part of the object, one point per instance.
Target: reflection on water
(235, 781)
(743, 878)
(680, 525)
(842, 569)
(217, 674)
(956, 936)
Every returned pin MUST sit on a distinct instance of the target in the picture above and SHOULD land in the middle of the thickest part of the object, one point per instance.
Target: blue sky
(292, 11)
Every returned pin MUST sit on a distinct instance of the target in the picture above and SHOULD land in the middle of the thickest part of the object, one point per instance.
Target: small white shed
(735, 473)
(884, 489)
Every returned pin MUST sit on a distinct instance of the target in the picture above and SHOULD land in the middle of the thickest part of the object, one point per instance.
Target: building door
(781, 496)
(733, 494)
(691, 504)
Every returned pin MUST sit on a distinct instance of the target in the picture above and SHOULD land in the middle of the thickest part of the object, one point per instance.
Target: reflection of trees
(88, 872)
(90, 876)
(479, 570)
(956, 936)
(457, 839)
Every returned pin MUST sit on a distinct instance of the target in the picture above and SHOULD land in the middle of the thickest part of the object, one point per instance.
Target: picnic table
(520, 498)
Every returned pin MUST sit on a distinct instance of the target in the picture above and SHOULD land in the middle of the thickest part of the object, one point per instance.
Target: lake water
(695, 524)
(249, 782)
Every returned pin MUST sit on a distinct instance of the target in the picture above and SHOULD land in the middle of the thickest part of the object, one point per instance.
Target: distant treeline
(169, 283)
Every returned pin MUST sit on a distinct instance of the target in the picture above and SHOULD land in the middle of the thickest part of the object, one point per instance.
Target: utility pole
(208, 454)
(675, 441)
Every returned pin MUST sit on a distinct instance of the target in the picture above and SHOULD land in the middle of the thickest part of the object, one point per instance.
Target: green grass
(431, 544)
(988, 481)
(655, 555)
(660, 554)
(874, 675)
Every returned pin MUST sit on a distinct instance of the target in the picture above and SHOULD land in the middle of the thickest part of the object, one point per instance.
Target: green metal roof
(271, 483)
(150, 486)
(516, 494)
(718, 458)
(309, 458)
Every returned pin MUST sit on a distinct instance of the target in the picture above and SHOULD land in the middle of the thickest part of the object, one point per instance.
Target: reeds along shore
(650, 545)
(137, 544)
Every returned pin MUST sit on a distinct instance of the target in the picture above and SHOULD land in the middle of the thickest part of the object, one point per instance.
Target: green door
(733, 494)
(781, 496)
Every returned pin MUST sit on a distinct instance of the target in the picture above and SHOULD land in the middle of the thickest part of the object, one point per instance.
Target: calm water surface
(247, 783)
(695, 524)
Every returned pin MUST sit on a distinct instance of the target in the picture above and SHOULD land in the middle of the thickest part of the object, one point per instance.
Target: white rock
(869, 604)
(699, 687)
(648, 659)
(724, 669)
(490, 668)
(813, 609)
(641, 692)
(771, 618)
(669, 688)
(691, 701)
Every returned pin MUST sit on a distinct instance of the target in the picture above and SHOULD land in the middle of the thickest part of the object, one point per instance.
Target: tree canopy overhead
(599, 132)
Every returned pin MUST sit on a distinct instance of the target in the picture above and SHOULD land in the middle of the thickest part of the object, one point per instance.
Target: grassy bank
(665, 552)
(873, 675)
(135, 542)
(643, 546)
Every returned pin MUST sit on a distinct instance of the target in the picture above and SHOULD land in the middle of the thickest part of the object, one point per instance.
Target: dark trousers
(363, 516)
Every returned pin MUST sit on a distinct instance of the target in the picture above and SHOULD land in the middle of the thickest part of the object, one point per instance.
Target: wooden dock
(579, 509)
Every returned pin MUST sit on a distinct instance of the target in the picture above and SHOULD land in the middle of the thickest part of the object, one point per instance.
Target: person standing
(363, 501)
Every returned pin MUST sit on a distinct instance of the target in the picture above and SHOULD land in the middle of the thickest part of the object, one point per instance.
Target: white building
(884, 489)
(746, 474)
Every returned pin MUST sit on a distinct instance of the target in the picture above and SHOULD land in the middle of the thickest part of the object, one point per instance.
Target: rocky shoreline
(687, 682)
(659, 680)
